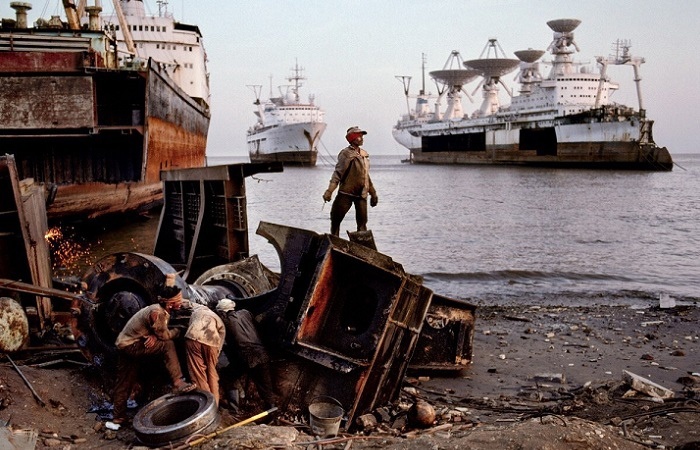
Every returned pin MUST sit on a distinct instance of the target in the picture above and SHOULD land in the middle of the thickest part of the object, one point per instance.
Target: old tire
(174, 417)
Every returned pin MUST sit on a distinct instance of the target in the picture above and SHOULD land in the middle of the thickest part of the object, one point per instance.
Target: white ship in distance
(287, 130)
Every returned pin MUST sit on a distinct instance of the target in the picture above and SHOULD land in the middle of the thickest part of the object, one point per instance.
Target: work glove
(329, 192)
(373, 200)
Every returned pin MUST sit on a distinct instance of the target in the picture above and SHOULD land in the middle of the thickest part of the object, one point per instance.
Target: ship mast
(296, 78)
(422, 71)
(622, 56)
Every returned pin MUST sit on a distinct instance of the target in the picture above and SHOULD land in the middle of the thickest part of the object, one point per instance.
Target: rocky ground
(542, 377)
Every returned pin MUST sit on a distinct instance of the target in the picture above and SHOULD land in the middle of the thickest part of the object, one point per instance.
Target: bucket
(324, 416)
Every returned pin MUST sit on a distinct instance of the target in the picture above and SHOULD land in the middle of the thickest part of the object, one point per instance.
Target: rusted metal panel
(46, 102)
(70, 129)
(95, 199)
(349, 309)
(170, 147)
(37, 61)
(94, 135)
(204, 221)
(447, 337)
(22, 230)
(165, 100)
(176, 126)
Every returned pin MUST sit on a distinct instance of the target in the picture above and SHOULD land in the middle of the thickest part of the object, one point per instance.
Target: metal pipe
(31, 388)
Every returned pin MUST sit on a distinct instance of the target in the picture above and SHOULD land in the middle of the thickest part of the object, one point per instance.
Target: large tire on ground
(174, 417)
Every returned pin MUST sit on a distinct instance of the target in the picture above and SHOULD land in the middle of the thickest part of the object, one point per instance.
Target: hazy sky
(352, 50)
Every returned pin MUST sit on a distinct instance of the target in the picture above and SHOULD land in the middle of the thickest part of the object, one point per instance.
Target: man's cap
(355, 129)
(226, 305)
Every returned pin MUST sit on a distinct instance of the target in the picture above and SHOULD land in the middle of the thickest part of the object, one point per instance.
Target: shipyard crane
(128, 39)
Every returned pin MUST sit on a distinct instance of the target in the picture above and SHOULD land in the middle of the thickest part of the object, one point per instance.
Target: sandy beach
(542, 376)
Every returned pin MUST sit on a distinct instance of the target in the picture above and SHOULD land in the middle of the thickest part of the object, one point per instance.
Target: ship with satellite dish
(566, 119)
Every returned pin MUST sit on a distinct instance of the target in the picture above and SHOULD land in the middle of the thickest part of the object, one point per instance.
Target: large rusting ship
(566, 119)
(96, 107)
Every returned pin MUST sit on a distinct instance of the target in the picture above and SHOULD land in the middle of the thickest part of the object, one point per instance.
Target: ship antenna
(162, 7)
(623, 57)
(423, 61)
(296, 79)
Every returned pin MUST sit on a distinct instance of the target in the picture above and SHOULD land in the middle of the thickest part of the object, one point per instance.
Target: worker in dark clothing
(351, 177)
(244, 346)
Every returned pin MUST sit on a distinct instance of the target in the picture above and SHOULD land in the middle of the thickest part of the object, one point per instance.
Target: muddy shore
(542, 376)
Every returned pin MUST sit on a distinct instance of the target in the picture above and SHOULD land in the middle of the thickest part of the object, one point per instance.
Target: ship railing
(27, 43)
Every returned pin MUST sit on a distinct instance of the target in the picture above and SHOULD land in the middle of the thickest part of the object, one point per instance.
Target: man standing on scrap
(352, 176)
(147, 334)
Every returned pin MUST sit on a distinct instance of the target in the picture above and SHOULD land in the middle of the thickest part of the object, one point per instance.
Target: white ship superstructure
(287, 130)
(407, 135)
(567, 119)
(177, 48)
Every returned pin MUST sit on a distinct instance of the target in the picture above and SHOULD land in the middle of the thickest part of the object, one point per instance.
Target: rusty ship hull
(95, 133)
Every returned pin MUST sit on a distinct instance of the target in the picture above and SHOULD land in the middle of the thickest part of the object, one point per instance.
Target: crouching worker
(244, 347)
(147, 334)
(204, 339)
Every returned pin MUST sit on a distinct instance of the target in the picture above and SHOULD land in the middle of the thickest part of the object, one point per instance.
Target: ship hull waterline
(292, 144)
(564, 148)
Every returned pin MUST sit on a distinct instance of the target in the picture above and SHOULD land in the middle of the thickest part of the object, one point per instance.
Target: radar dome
(563, 25)
(529, 55)
(493, 67)
(455, 77)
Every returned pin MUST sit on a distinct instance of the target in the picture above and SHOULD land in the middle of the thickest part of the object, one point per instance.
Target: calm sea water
(497, 234)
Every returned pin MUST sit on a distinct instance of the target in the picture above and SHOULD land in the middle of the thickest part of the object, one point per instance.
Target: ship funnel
(94, 14)
(21, 9)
